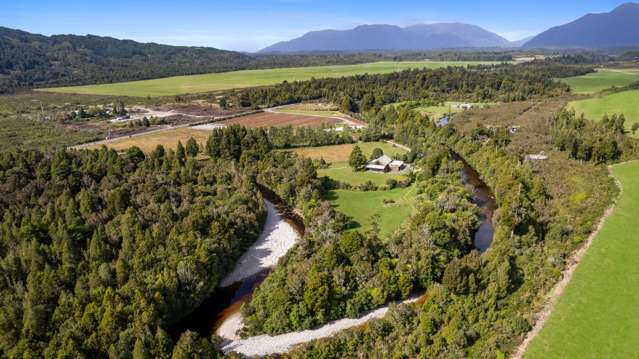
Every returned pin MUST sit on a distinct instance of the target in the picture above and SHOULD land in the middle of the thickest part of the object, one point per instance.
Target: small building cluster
(386, 164)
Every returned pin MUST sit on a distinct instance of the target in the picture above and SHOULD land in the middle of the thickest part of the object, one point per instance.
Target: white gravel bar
(266, 344)
(276, 239)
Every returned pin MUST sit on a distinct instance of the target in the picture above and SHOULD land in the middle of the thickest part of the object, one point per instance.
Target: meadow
(601, 80)
(437, 112)
(393, 207)
(148, 142)
(598, 314)
(248, 78)
(626, 103)
(338, 154)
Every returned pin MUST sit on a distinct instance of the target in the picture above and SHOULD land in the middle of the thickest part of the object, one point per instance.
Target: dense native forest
(100, 251)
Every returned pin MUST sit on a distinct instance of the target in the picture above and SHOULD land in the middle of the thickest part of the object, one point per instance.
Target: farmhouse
(386, 164)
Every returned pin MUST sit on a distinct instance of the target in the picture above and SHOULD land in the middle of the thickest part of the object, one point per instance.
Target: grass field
(275, 119)
(437, 112)
(339, 169)
(339, 153)
(148, 142)
(311, 109)
(248, 78)
(361, 206)
(343, 173)
(598, 314)
(626, 102)
(602, 79)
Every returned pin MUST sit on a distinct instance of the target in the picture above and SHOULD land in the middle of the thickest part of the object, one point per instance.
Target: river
(484, 199)
(220, 313)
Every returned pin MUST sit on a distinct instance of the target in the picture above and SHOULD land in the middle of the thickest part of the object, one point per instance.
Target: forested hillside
(31, 60)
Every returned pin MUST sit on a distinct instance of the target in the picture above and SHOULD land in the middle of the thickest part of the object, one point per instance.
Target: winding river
(221, 315)
(484, 199)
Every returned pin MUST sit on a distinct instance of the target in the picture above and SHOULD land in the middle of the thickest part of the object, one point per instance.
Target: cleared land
(148, 142)
(311, 109)
(249, 78)
(626, 103)
(273, 119)
(602, 79)
(337, 157)
(393, 207)
(340, 153)
(437, 112)
(598, 314)
(343, 173)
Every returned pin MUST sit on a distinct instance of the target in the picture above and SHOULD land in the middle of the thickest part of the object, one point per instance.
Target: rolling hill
(390, 37)
(615, 29)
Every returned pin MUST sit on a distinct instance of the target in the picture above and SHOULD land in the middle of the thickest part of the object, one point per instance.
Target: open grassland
(248, 78)
(345, 174)
(339, 170)
(311, 109)
(274, 119)
(148, 142)
(437, 112)
(598, 314)
(339, 153)
(393, 207)
(602, 79)
(626, 103)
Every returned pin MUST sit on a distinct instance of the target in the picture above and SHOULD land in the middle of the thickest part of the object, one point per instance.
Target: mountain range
(391, 37)
(618, 28)
(615, 29)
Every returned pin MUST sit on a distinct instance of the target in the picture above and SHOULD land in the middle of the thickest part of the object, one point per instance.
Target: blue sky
(248, 25)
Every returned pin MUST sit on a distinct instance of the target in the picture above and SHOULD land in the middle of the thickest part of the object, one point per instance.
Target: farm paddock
(149, 141)
(273, 119)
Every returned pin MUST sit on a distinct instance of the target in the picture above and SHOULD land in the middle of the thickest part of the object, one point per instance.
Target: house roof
(376, 167)
(384, 160)
(397, 163)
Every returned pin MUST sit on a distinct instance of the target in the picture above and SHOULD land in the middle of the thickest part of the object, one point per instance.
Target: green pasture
(598, 314)
(626, 103)
(343, 173)
(362, 206)
(437, 112)
(601, 80)
(247, 78)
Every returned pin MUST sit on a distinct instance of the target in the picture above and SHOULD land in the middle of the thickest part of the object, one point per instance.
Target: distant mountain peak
(372, 37)
(613, 29)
